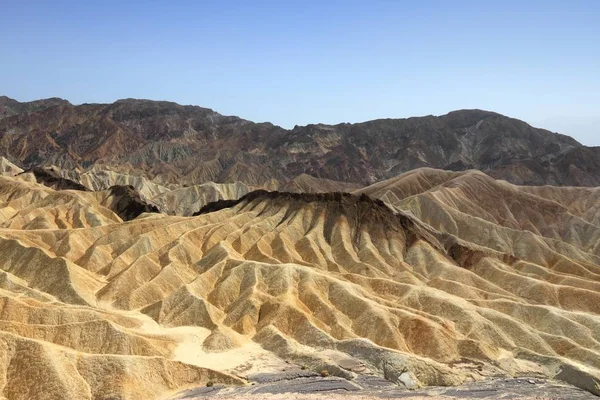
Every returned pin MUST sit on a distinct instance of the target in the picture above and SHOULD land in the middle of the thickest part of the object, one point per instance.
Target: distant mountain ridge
(188, 145)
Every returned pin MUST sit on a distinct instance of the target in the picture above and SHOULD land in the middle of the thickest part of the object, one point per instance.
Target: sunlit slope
(544, 224)
(299, 272)
(7, 168)
(28, 205)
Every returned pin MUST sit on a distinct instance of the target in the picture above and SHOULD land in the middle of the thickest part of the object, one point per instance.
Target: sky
(300, 62)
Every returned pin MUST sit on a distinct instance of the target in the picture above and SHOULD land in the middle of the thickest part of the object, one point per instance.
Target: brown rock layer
(173, 144)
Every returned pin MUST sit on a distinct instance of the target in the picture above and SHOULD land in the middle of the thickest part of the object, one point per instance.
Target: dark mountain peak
(483, 121)
(10, 107)
(50, 100)
(467, 117)
(155, 104)
(7, 100)
(136, 109)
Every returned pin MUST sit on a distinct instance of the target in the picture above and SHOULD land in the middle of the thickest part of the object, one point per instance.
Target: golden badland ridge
(429, 278)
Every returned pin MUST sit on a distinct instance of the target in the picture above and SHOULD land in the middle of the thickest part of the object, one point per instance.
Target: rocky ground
(309, 385)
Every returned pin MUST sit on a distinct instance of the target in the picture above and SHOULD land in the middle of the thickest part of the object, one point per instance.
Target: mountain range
(188, 145)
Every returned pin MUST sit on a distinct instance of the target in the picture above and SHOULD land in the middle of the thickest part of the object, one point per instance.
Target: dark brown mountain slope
(170, 143)
(10, 106)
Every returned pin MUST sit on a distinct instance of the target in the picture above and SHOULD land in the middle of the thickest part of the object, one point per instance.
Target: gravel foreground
(296, 396)
(282, 387)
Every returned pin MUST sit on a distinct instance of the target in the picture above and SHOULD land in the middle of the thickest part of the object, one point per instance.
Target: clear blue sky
(299, 62)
